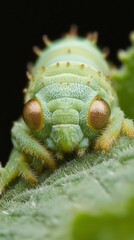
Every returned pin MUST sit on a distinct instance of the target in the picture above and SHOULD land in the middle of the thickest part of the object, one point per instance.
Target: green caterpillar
(70, 106)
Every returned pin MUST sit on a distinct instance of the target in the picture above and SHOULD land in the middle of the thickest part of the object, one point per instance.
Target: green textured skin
(66, 91)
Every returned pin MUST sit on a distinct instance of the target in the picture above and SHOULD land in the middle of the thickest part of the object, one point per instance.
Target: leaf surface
(87, 198)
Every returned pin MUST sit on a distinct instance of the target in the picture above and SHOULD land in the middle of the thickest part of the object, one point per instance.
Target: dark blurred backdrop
(22, 25)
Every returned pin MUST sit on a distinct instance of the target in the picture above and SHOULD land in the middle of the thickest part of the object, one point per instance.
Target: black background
(22, 25)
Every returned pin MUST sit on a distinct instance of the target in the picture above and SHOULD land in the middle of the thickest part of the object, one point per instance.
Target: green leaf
(104, 226)
(124, 80)
(86, 198)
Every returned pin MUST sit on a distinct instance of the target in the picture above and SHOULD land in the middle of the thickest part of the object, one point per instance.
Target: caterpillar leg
(111, 132)
(25, 148)
(128, 127)
(16, 167)
(27, 144)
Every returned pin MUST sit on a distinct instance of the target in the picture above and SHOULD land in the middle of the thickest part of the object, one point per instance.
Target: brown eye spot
(32, 115)
(98, 114)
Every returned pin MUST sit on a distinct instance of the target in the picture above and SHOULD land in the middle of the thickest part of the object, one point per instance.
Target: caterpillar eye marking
(98, 114)
(33, 115)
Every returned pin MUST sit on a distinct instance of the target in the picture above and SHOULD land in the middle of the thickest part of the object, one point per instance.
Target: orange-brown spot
(69, 50)
(98, 114)
(93, 37)
(37, 50)
(57, 64)
(46, 40)
(82, 66)
(68, 64)
(73, 30)
(32, 115)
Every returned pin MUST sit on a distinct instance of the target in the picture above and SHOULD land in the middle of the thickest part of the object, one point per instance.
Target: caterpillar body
(70, 104)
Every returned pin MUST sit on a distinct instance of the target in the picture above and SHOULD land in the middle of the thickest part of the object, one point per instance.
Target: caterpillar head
(66, 127)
